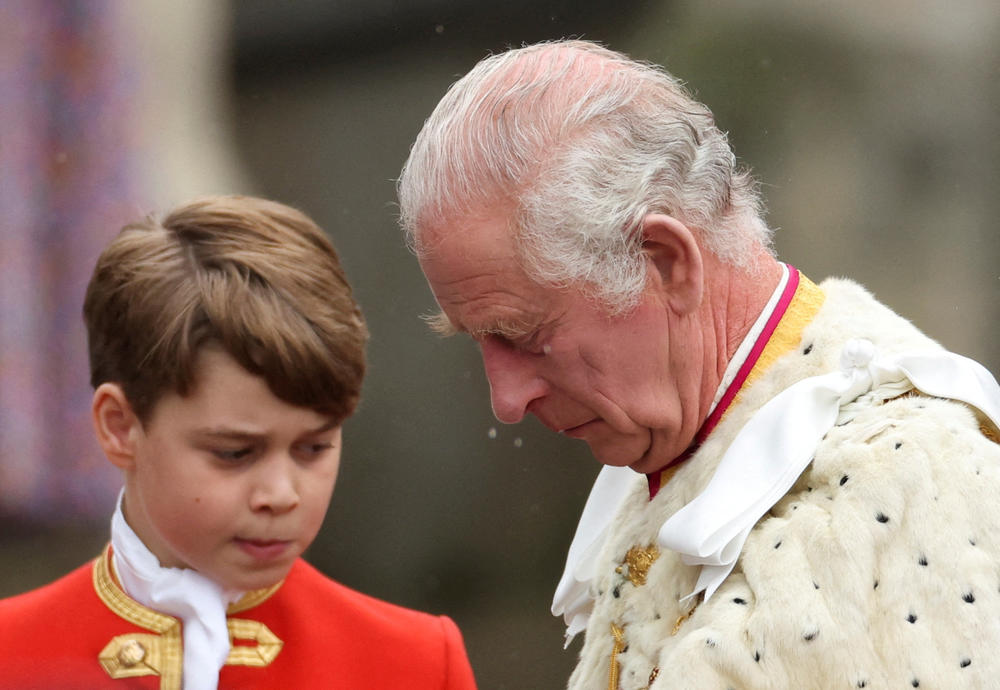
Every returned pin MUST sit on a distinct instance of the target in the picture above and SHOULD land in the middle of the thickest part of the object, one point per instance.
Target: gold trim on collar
(263, 653)
(161, 654)
(253, 598)
(138, 654)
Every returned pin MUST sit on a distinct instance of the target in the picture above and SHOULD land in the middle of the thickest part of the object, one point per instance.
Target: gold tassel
(619, 635)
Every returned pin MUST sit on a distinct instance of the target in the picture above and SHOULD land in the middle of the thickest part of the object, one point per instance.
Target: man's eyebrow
(510, 330)
(440, 324)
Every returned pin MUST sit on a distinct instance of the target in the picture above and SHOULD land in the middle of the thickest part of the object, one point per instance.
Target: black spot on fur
(911, 618)
(899, 444)
(810, 636)
(616, 592)
(815, 586)
(965, 662)
(808, 349)
(756, 656)
(876, 585)
(922, 560)
(968, 597)
(882, 517)
(915, 683)
(738, 600)
(843, 480)
(777, 545)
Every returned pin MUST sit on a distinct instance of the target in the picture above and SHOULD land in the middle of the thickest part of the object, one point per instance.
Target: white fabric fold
(572, 599)
(773, 449)
(183, 593)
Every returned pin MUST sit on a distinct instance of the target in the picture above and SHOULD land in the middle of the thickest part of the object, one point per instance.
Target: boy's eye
(234, 455)
(317, 448)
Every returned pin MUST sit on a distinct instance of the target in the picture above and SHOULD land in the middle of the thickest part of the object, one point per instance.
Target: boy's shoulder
(308, 593)
(37, 605)
(328, 630)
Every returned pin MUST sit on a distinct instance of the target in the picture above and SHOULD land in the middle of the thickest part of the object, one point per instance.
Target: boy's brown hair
(254, 277)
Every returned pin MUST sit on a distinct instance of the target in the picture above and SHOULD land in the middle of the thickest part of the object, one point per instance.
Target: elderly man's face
(619, 383)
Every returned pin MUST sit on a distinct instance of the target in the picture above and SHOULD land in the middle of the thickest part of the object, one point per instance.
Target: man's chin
(618, 457)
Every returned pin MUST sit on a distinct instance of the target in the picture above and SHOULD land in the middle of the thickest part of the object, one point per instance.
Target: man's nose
(276, 489)
(514, 380)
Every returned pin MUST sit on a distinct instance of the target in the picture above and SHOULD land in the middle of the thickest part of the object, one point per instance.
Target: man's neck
(736, 298)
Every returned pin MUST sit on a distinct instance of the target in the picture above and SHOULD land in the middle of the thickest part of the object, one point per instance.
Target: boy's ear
(674, 252)
(115, 424)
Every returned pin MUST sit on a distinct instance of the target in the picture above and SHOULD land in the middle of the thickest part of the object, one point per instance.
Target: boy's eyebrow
(237, 434)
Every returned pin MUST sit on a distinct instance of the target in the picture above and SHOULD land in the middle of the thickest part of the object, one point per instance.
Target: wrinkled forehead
(467, 245)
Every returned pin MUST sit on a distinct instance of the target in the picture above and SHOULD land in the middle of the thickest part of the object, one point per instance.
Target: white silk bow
(777, 444)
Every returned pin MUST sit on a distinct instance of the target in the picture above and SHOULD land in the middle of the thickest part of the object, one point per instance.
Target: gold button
(131, 653)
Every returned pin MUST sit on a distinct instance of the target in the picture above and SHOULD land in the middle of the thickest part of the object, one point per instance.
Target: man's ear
(115, 424)
(672, 249)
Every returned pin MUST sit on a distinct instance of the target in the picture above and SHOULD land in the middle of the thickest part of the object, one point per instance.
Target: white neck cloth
(183, 593)
(777, 444)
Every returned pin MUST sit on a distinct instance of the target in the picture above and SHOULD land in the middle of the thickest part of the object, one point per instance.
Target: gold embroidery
(637, 563)
(164, 656)
(684, 616)
(135, 654)
(254, 598)
(653, 675)
(263, 653)
(138, 654)
(613, 670)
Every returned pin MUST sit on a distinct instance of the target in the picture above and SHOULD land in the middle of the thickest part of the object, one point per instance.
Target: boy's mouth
(263, 549)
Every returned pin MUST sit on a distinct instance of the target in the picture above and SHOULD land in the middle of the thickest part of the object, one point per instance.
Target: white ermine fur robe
(879, 569)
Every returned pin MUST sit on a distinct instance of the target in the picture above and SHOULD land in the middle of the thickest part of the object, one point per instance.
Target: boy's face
(230, 480)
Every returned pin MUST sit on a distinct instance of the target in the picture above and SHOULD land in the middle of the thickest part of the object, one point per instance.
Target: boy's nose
(276, 490)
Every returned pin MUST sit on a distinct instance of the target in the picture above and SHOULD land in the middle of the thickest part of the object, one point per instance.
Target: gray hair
(577, 144)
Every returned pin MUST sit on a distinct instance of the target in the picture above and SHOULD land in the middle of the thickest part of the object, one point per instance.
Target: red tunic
(82, 631)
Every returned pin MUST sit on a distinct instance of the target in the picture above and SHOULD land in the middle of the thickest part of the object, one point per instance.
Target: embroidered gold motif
(619, 634)
(637, 563)
(653, 675)
(132, 655)
(263, 653)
